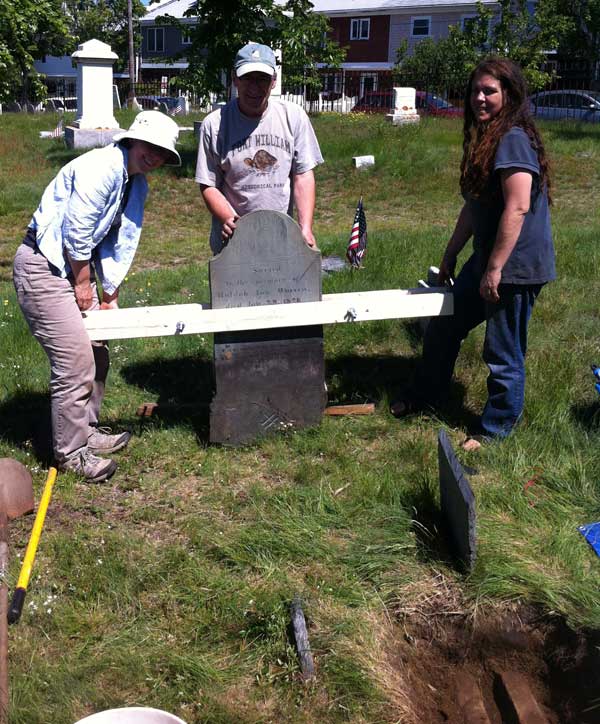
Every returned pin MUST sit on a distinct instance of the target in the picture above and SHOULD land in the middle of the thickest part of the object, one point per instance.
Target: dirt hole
(558, 666)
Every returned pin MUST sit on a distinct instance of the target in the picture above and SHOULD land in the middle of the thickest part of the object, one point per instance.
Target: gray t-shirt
(251, 160)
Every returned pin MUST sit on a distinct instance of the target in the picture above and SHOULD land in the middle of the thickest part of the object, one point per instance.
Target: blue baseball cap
(255, 57)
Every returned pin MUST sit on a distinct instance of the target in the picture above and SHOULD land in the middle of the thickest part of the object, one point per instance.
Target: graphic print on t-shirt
(262, 161)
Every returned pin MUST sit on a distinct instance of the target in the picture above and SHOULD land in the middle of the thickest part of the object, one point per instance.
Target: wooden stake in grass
(367, 408)
(307, 664)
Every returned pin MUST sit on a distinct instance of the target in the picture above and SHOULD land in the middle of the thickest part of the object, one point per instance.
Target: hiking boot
(88, 465)
(101, 442)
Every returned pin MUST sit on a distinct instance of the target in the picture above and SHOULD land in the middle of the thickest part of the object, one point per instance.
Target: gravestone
(274, 379)
(95, 124)
(404, 107)
(457, 503)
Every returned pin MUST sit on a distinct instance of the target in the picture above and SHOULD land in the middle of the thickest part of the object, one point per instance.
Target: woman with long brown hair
(505, 184)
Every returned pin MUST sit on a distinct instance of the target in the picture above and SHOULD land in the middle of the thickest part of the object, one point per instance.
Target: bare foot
(471, 444)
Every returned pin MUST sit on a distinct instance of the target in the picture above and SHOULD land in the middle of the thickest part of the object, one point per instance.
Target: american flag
(58, 131)
(178, 109)
(357, 246)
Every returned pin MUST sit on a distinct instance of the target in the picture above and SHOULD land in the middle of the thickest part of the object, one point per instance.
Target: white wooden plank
(333, 309)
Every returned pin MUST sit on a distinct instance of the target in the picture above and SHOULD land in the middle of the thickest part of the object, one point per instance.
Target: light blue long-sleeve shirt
(78, 214)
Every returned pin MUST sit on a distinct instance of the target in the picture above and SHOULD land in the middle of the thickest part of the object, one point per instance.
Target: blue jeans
(504, 347)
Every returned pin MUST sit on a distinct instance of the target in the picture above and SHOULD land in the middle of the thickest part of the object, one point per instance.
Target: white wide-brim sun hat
(132, 715)
(155, 128)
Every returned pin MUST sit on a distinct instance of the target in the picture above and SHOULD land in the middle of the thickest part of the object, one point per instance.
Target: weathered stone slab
(88, 138)
(363, 161)
(457, 503)
(404, 107)
(266, 380)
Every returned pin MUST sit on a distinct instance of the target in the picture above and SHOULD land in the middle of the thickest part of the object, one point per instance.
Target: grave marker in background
(266, 380)
(95, 124)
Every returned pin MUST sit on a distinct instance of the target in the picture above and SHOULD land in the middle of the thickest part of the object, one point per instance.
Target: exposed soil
(561, 667)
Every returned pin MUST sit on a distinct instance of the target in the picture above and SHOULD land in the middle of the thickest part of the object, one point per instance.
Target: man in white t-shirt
(256, 152)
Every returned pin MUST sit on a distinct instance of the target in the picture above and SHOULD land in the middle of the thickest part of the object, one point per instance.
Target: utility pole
(132, 100)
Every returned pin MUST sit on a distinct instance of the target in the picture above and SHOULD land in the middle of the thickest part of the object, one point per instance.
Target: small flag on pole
(357, 246)
(179, 108)
(58, 131)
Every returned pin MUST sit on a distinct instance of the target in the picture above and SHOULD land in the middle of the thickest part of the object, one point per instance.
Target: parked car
(60, 103)
(375, 102)
(566, 104)
(150, 102)
(428, 104)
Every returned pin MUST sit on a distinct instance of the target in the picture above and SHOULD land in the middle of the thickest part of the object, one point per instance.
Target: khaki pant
(78, 367)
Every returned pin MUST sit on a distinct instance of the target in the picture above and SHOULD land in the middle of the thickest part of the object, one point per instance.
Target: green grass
(170, 585)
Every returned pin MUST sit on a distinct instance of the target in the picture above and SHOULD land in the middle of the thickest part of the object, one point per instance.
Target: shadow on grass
(359, 379)
(188, 163)
(182, 388)
(431, 531)
(588, 416)
(25, 423)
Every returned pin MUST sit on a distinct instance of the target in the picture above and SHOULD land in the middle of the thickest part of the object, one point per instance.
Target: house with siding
(161, 42)
(370, 30)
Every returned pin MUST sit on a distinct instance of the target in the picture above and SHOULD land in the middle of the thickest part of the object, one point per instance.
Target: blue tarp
(591, 532)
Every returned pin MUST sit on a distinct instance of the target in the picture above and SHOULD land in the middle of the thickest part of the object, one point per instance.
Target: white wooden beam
(350, 307)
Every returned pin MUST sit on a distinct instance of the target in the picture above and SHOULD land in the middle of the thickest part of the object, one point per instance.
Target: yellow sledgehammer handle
(18, 599)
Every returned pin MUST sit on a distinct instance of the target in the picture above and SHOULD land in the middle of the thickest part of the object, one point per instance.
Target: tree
(227, 25)
(29, 30)
(526, 37)
(515, 33)
(302, 36)
(447, 63)
(582, 37)
(105, 20)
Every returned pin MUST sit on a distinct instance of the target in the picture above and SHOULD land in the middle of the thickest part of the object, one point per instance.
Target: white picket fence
(344, 104)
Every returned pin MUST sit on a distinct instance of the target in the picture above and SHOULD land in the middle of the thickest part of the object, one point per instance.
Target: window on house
(156, 40)
(368, 83)
(421, 27)
(467, 22)
(186, 38)
(359, 28)
(332, 83)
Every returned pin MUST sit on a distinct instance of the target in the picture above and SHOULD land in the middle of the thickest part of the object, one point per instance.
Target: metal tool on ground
(18, 599)
(16, 498)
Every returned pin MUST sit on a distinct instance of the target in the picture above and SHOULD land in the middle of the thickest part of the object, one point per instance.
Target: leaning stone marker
(266, 379)
(457, 502)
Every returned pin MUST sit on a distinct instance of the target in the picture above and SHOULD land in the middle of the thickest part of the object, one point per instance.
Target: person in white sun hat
(87, 224)
(257, 152)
